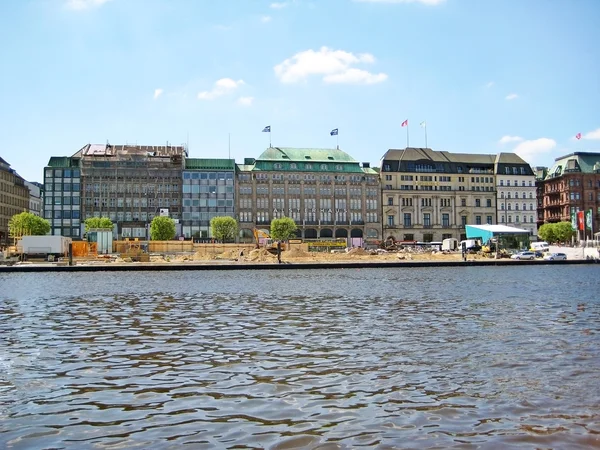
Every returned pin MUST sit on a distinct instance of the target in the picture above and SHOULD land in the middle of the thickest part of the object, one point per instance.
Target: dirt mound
(260, 255)
(358, 251)
(297, 253)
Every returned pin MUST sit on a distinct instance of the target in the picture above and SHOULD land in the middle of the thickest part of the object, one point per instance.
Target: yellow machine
(263, 239)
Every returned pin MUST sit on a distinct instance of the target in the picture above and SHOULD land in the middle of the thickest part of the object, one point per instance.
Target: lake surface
(459, 357)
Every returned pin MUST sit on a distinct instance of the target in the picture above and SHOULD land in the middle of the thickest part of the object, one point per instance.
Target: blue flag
(334, 132)
(267, 129)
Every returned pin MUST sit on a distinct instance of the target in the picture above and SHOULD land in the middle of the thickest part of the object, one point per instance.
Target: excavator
(267, 242)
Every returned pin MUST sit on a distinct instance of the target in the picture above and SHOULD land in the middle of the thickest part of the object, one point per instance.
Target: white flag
(423, 124)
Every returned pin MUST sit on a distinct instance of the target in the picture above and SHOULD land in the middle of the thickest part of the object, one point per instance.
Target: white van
(540, 247)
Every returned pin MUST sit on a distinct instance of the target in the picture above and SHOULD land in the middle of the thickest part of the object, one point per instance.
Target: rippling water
(384, 358)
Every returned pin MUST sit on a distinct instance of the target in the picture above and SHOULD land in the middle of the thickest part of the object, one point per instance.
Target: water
(466, 357)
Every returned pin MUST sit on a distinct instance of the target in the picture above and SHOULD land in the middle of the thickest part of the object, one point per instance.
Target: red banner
(581, 220)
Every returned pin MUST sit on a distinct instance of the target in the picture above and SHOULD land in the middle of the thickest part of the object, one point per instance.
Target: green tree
(162, 228)
(547, 232)
(563, 231)
(283, 229)
(224, 228)
(27, 224)
(98, 222)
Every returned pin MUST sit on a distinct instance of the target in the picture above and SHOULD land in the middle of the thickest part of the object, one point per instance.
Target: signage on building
(164, 212)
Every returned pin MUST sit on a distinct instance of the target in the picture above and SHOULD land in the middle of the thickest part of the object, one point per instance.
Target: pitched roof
(585, 162)
(416, 154)
(305, 154)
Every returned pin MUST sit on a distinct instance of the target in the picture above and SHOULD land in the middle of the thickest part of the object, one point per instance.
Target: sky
(484, 76)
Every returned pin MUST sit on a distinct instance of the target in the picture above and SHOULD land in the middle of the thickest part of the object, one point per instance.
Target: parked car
(556, 257)
(523, 255)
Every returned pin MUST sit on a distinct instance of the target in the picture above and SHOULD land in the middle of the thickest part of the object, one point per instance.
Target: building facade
(516, 192)
(62, 196)
(131, 184)
(36, 194)
(571, 185)
(207, 191)
(14, 198)
(325, 191)
(432, 195)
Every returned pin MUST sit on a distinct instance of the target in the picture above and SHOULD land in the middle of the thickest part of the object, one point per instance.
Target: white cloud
(507, 139)
(424, 2)
(489, 85)
(245, 101)
(221, 87)
(592, 135)
(355, 76)
(512, 96)
(265, 19)
(530, 150)
(333, 65)
(84, 4)
(278, 5)
(157, 93)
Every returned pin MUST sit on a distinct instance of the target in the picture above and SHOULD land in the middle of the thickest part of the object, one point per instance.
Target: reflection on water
(413, 358)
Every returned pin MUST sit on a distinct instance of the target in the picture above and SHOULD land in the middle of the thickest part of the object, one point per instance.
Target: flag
(578, 136)
(334, 132)
(423, 124)
(588, 219)
(405, 123)
(573, 221)
(580, 220)
(267, 129)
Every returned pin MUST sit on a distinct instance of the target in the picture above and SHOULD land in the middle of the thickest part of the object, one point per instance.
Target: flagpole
(337, 140)
(407, 145)
(426, 135)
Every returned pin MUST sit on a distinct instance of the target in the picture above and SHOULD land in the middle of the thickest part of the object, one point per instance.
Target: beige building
(14, 198)
(432, 195)
(326, 192)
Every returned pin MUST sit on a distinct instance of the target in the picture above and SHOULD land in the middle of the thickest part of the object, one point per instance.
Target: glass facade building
(207, 192)
(62, 197)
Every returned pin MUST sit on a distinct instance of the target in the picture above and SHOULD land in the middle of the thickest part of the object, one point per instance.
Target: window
(478, 220)
(390, 221)
(407, 220)
(388, 178)
(463, 220)
(427, 219)
(463, 202)
(488, 202)
(477, 203)
(489, 220)
(390, 201)
(446, 220)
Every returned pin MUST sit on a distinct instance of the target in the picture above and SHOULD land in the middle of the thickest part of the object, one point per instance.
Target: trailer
(43, 246)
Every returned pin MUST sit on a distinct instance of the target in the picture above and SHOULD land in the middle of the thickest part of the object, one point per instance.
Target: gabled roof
(305, 154)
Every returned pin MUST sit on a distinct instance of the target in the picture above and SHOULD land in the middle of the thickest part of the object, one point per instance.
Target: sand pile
(358, 251)
(296, 253)
(260, 255)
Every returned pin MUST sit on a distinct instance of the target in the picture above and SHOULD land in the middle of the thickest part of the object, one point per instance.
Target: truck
(43, 246)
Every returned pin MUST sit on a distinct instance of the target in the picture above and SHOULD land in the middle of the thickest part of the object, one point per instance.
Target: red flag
(405, 123)
(580, 220)
(578, 136)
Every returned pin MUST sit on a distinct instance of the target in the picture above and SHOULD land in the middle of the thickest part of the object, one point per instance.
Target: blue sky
(486, 76)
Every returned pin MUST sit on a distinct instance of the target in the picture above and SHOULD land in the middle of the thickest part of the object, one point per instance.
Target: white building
(516, 191)
(35, 198)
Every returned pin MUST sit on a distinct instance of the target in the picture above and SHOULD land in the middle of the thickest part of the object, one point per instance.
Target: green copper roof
(305, 154)
(582, 162)
(209, 164)
(62, 161)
